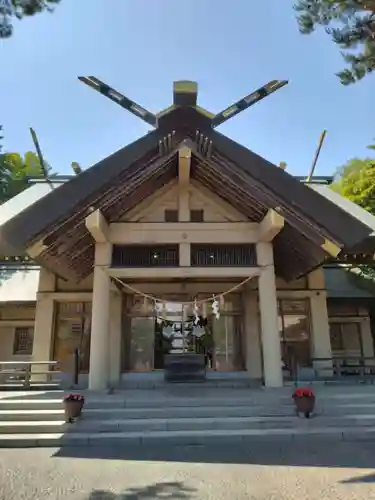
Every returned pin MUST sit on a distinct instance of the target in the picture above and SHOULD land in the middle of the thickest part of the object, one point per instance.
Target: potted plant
(73, 404)
(304, 399)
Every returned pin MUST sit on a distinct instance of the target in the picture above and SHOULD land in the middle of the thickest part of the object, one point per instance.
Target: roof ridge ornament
(316, 157)
(185, 94)
(39, 153)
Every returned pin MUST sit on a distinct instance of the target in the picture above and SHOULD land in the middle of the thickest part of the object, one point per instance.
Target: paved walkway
(312, 471)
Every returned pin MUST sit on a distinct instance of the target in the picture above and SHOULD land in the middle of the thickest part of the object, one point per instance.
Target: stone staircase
(184, 414)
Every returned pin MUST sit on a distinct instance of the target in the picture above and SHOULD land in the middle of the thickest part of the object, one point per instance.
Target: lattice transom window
(76, 328)
(23, 340)
(68, 310)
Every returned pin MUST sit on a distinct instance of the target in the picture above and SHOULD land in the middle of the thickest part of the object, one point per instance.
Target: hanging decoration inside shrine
(221, 301)
(196, 310)
(144, 307)
(215, 307)
(204, 310)
(199, 307)
(164, 311)
(196, 319)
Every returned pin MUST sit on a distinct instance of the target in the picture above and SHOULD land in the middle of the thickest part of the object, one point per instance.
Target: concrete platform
(184, 415)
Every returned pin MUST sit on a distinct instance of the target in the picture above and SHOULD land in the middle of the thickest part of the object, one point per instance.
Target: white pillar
(185, 252)
(252, 339)
(115, 324)
(273, 376)
(99, 344)
(43, 334)
(367, 342)
(43, 328)
(44, 324)
(320, 334)
(184, 205)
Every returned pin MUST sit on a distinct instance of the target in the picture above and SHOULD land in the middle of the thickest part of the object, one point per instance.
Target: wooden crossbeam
(119, 99)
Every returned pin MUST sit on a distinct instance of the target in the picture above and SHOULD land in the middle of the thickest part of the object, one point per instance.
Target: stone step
(141, 413)
(224, 397)
(34, 386)
(346, 409)
(135, 403)
(231, 383)
(143, 425)
(176, 408)
(31, 404)
(223, 411)
(155, 400)
(187, 412)
(182, 424)
(32, 415)
(184, 438)
(182, 396)
(56, 412)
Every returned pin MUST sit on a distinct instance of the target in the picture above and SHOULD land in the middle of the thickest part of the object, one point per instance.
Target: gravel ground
(269, 471)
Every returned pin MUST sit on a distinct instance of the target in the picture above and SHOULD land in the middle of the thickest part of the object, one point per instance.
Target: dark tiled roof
(342, 284)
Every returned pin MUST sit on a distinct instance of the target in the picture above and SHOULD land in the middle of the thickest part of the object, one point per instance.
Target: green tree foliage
(15, 171)
(18, 9)
(356, 181)
(351, 23)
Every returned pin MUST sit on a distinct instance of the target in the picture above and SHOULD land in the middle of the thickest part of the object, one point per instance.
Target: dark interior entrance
(147, 339)
(162, 343)
(175, 337)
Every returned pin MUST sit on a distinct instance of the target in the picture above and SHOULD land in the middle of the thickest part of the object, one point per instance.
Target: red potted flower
(73, 404)
(304, 399)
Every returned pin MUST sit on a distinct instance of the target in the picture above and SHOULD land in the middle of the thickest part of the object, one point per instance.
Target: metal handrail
(360, 368)
(76, 366)
(21, 373)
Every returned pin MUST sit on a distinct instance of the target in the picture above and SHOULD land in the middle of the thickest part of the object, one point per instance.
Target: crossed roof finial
(185, 94)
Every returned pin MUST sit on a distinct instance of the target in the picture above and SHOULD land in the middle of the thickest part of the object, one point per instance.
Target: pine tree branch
(18, 9)
(353, 28)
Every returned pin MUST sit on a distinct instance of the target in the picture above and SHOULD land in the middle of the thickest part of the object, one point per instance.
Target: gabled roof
(345, 204)
(342, 284)
(322, 213)
(24, 200)
(121, 181)
(56, 205)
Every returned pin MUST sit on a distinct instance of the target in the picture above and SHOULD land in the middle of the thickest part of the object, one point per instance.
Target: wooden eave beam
(225, 209)
(253, 198)
(36, 249)
(139, 210)
(323, 217)
(207, 177)
(60, 267)
(357, 258)
(45, 214)
(331, 248)
(270, 226)
(98, 226)
(266, 198)
(184, 163)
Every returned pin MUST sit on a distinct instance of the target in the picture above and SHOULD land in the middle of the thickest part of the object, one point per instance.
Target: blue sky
(141, 46)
